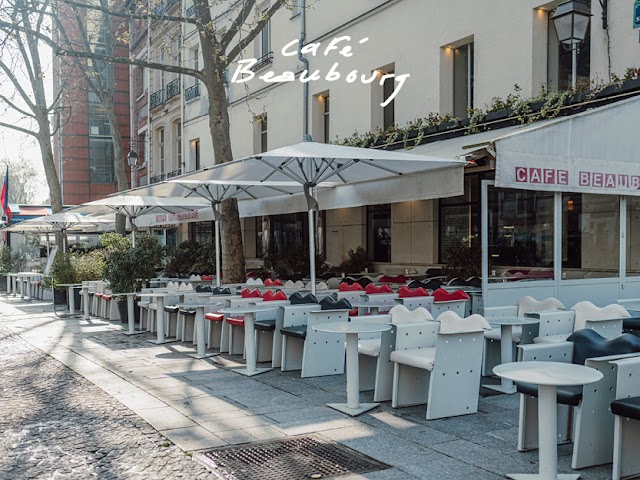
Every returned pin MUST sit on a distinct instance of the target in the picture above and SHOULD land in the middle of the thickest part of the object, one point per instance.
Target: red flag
(4, 197)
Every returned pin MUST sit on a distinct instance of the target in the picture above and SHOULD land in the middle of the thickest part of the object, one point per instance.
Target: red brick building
(83, 148)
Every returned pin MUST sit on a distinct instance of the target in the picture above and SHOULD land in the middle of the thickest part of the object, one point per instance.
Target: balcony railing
(173, 88)
(171, 3)
(158, 10)
(156, 99)
(157, 179)
(264, 60)
(175, 173)
(191, 11)
(192, 92)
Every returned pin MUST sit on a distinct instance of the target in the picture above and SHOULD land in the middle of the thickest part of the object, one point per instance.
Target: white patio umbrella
(216, 192)
(132, 206)
(310, 165)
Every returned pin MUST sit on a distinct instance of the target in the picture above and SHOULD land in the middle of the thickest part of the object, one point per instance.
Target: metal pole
(574, 66)
(312, 251)
(216, 225)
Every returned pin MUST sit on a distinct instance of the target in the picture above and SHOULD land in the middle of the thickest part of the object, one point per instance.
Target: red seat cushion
(396, 279)
(107, 297)
(270, 296)
(214, 317)
(99, 295)
(353, 313)
(345, 287)
(441, 295)
(246, 293)
(373, 289)
(236, 321)
(207, 278)
(406, 292)
(272, 283)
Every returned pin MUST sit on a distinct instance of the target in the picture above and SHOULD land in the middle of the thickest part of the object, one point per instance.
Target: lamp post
(571, 20)
(132, 160)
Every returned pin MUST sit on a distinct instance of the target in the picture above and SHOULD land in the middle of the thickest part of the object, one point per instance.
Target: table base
(251, 373)
(137, 332)
(199, 357)
(162, 342)
(502, 389)
(363, 407)
(536, 476)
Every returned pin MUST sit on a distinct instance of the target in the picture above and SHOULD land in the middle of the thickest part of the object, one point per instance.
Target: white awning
(596, 151)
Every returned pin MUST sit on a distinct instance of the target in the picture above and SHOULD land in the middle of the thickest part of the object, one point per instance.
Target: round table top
(548, 373)
(352, 327)
(247, 309)
(511, 320)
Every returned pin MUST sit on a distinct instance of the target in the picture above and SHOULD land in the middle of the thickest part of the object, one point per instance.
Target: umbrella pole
(312, 251)
(216, 225)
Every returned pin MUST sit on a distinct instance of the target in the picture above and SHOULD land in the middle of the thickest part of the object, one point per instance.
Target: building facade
(460, 56)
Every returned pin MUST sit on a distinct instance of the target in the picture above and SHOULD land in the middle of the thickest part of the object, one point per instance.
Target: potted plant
(6, 265)
(63, 273)
(357, 261)
(463, 259)
(127, 266)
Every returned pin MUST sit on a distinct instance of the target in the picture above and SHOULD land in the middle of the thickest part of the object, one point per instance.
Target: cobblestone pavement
(56, 424)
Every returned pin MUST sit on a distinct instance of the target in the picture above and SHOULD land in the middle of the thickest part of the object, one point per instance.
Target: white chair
(235, 332)
(315, 353)
(439, 363)
(376, 368)
(291, 321)
(333, 283)
(291, 284)
(607, 321)
(626, 410)
(415, 302)
(584, 413)
(254, 282)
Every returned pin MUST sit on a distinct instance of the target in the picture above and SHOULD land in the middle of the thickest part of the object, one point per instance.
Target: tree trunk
(233, 266)
(118, 155)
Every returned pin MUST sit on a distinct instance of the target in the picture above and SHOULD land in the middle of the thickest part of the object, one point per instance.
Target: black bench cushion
(364, 281)
(203, 288)
(627, 407)
(299, 331)
(265, 325)
(221, 291)
(632, 323)
(348, 280)
(298, 298)
(171, 309)
(432, 284)
(566, 395)
(330, 303)
(590, 344)
(187, 312)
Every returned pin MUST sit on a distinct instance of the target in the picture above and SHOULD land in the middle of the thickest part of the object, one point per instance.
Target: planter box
(3, 283)
(60, 297)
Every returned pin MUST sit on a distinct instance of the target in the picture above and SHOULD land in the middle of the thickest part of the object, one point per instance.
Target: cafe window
(633, 236)
(278, 234)
(520, 234)
(201, 232)
(590, 236)
(379, 232)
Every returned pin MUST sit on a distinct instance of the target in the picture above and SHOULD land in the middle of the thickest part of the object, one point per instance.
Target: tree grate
(288, 459)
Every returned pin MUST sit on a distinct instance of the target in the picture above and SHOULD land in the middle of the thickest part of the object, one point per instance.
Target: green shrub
(7, 259)
(294, 263)
(89, 266)
(357, 261)
(63, 269)
(191, 257)
(463, 259)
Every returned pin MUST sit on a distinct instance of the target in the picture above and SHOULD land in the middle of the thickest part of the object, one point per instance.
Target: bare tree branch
(19, 129)
(237, 23)
(133, 16)
(15, 107)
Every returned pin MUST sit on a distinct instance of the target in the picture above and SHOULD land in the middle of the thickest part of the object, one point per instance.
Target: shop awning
(596, 151)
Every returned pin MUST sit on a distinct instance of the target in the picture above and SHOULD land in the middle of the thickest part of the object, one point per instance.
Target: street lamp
(132, 160)
(571, 20)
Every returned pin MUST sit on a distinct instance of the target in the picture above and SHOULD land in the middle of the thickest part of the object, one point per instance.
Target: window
(263, 133)
(101, 169)
(162, 71)
(265, 39)
(633, 236)
(520, 234)
(590, 239)
(196, 153)
(325, 123)
(201, 232)
(179, 145)
(142, 150)
(196, 63)
(144, 76)
(161, 150)
(379, 232)
(462, 79)
(388, 112)
(559, 60)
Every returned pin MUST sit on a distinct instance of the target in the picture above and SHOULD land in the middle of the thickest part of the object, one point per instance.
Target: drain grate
(288, 459)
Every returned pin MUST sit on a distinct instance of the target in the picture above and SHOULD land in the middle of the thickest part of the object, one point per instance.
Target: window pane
(461, 79)
(520, 234)
(389, 111)
(590, 238)
(101, 160)
(559, 60)
(633, 236)
(379, 232)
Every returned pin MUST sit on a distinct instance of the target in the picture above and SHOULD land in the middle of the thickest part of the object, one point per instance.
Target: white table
(131, 317)
(548, 376)
(160, 296)
(506, 325)
(201, 337)
(353, 406)
(70, 296)
(249, 314)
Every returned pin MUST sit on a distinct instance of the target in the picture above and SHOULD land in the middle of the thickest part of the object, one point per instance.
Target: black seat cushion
(171, 309)
(299, 331)
(632, 323)
(433, 272)
(327, 276)
(221, 291)
(330, 303)
(457, 282)
(265, 325)
(203, 288)
(566, 395)
(364, 281)
(348, 280)
(627, 407)
(187, 312)
(432, 284)
(475, 282)
(588, 343)
(298, 298)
